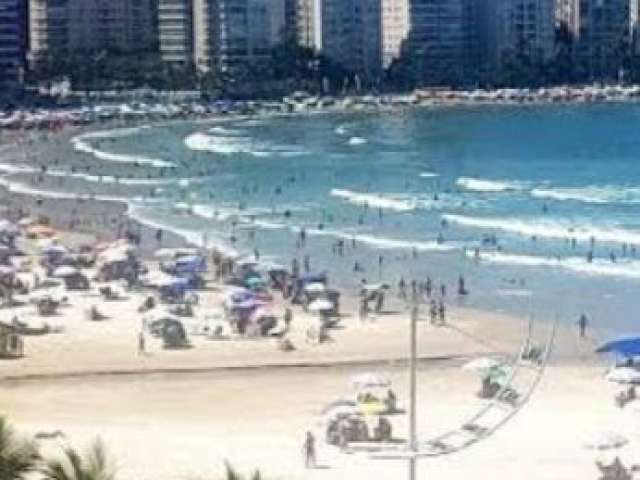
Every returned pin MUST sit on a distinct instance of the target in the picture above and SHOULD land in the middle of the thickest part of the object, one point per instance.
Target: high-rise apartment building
(601, 31)
(219, 34)
(442, 39)
(348, 32)
(521, 28)
(64, 27)
(395, 29)
(176, 34)
(12, 41)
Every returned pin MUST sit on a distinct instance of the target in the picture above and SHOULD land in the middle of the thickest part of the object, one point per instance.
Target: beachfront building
(516, 31)
(601, 31)
(395, 29)
(176, 31)
(67, 27)
(347, 32)
(12, 41)
(219, 35)
(242, 32)
(442, 42)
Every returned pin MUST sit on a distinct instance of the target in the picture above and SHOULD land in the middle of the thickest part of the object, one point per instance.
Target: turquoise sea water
(492, 193)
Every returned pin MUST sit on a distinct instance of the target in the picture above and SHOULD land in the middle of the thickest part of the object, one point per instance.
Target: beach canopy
(255, 283)
(481, 364)
(171, 253)
(624, 346)
(338, 411)
(8, 227)
(65, 271)
(624, 375)
(369, 380)
(54, 249)
(161, 279)
(315, 287)
(320, 305)
(605, 441)
(7, 270)
(42, 231)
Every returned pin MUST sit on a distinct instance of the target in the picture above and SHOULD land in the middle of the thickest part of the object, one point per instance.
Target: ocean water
(420, 192)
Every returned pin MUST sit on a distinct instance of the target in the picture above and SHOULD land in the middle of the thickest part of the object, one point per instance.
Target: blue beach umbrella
(623, 346)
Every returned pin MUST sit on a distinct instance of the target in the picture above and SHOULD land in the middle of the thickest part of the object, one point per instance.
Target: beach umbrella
(320, 305)
(7, 270)
(65, 271)
(255, 282)
(605, 441)
(42, 231)
(481, 364)
(315, 287)
(624, 346)
(261, 312)
(54, 249)
(8, 227)
(624, 375)
(369, 380)
(341, 411)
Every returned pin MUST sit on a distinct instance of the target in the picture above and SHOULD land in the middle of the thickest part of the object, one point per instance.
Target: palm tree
(17, 456)
(232, 474)
(94, 465)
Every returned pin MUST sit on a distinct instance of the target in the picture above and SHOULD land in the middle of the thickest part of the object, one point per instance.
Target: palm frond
(17, 456)
(93, 465)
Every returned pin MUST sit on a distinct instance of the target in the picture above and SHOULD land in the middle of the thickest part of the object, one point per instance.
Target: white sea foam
(191, 236)
(19, 187)
(484, 185)
(341, 130)
(225, 131)
(375, 200)
(383, 243)
(229, 145)
(14, 169)
(599, 267)
(549, 229)
(80, 144)
(591, 194)
(11, 168)
(428, 175)
(357, 141)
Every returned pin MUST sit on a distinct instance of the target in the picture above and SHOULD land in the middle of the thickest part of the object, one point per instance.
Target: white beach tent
(369, 380)
(624, 375)
(320, 305)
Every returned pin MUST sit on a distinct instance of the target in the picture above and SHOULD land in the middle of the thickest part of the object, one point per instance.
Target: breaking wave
(548, 229)
(591, 194)
(229, 145)
(375, 200)
(484, 185)
(599, 267)
(81, 144)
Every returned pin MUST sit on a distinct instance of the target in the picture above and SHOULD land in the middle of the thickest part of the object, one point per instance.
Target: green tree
(93, 465)
(18, 457)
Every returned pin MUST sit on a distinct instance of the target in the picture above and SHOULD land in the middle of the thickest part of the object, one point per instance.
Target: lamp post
(413, 442)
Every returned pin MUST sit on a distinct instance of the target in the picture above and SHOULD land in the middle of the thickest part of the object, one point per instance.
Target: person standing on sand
(142, 349)
(309, 450)
(583, 322)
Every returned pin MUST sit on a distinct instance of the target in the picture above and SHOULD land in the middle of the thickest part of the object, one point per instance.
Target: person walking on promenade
(309, 450)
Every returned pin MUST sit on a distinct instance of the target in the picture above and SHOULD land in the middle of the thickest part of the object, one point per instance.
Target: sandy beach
(175, 414)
